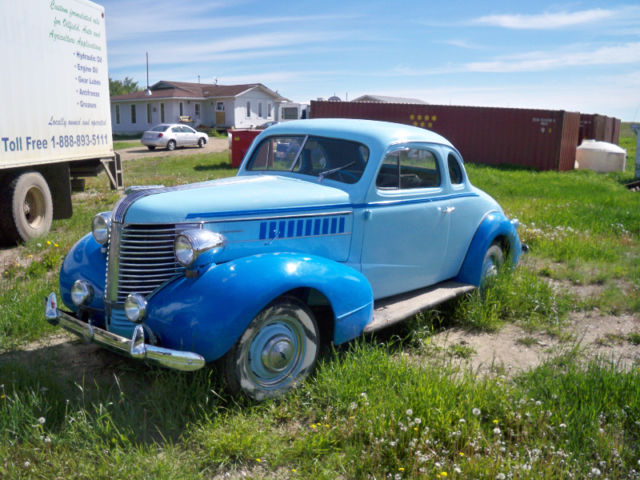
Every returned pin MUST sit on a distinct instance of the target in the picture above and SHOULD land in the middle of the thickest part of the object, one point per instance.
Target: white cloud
(628, 53)
(545, 21)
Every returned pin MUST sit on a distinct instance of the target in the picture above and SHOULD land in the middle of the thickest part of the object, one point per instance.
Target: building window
(268, 110)
(162, 112)
(133, 114)
(118, 114)
(197, 106)
(220, 106)
(248, 109)
(260, 109)
(181, 110)
(148, 113)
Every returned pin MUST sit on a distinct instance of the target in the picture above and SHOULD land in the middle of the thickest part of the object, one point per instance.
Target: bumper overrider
(133, 347)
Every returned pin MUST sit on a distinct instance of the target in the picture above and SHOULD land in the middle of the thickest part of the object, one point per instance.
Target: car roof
(359, 130)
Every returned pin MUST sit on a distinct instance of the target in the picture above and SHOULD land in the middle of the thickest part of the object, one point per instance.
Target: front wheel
(493, 260)
(278, 350)
(201, 142)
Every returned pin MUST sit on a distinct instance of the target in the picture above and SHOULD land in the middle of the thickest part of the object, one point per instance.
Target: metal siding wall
(569, 141)
(615, 138)
(492, 136)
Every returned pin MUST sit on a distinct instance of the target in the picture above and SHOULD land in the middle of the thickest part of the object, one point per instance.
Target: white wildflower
(41, 420)
(409, 412)
(596, 472)
(476, 412)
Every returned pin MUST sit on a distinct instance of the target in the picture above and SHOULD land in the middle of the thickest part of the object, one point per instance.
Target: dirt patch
(214, 145)
(512, 349)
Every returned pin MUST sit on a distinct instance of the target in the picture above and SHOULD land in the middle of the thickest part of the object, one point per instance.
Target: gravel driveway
(214, 145)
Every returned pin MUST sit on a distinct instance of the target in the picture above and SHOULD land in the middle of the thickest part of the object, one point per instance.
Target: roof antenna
(147, 92)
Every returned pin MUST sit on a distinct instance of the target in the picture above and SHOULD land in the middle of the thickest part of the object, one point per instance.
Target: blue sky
(579, 56)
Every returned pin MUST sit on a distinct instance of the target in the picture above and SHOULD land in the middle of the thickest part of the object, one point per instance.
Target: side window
(409, 168)
(455, 172)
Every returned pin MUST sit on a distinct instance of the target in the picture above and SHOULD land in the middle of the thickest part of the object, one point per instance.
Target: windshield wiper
(321, 175)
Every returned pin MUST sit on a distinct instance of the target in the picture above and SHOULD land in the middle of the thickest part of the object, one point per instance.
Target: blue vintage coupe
(331, 228)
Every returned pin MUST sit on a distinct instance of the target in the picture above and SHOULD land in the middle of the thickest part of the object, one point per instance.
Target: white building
(198, 104)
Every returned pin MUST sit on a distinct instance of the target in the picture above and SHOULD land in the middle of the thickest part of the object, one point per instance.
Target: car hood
(227, 198)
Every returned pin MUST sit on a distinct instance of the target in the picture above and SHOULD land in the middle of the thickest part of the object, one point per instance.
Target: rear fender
(209, 313)
(494, 225)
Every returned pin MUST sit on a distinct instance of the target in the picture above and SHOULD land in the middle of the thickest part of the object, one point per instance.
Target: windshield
(331, 158)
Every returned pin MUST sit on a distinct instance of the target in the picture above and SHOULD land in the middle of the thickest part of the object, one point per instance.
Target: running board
(389, 311)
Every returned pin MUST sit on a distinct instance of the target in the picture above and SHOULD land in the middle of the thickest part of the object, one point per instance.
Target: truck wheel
(278, 350)
(171, 146)
(27, 207)
(493, 260)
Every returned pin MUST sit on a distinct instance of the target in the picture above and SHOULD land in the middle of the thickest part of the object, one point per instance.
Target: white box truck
(55, 119)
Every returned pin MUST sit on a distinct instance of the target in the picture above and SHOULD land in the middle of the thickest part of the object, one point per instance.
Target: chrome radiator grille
(141, 259)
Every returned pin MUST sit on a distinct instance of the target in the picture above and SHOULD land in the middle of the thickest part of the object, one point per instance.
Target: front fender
(85, 261)
(209, 313)
(494, 225)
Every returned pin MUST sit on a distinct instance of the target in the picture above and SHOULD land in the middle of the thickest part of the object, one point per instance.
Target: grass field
(380, 407)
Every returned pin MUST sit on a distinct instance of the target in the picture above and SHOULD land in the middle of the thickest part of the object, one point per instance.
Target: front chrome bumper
(133, 347)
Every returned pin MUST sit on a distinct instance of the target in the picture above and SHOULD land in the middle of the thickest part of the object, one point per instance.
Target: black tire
(171, 146)
(278, 350)
(201, 142)
(27, 207)
(151, 147)
(493, 260)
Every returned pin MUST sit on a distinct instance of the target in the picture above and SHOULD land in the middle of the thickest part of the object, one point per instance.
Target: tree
(122, 87)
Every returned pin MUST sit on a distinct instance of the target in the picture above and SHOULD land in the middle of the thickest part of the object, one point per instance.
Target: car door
(177, 135)
(406, 222)
(190, 136)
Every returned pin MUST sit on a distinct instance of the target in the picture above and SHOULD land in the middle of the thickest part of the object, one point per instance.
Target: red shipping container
(541, 139)
(240, 141)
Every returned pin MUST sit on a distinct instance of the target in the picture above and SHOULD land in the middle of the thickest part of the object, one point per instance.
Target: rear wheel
(171, 146)
(151, 147)
(27, 207)
(493, 260)
(277, 351)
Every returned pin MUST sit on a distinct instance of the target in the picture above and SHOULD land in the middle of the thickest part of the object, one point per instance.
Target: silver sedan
(172, 135)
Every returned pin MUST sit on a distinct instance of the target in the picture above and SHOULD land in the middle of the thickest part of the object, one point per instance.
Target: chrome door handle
(447, 209)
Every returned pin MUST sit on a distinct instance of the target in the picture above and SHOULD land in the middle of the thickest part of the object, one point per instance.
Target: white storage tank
(600, 156)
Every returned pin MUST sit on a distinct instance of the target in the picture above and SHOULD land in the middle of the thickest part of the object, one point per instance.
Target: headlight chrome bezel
(196, 247)
(81, 293)
(100, 227)
(135, 307)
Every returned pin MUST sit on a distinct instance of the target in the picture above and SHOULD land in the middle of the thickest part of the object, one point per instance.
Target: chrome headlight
(135, 307)
(100, 226)
(192, 244)
(81, 293)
